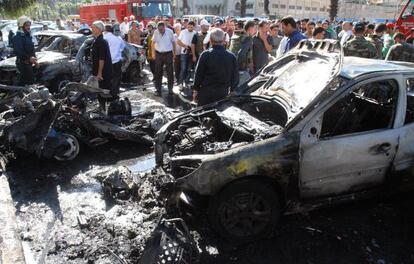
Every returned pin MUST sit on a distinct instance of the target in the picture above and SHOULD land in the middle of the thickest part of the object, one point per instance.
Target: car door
(350, 144)
(404, 160)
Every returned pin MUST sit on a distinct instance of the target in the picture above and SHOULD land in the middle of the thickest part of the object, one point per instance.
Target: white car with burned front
(312, 128)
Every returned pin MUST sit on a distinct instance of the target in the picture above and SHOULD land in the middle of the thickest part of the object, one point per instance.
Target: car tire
(233, 216)
(72, 151)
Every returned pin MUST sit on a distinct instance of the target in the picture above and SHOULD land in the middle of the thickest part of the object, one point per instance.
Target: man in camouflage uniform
(401, 50)
(375, 39)
(197, 46)
(242, 47)
(358, 46)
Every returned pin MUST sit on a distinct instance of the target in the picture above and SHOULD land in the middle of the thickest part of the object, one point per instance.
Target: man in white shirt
(346, 32)
(116, 46)
(163, 48)
(184, 40)
(124, 28)
(282, 47)
(177, 63)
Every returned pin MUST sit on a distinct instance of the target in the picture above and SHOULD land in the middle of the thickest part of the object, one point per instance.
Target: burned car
(311, 129)
(56, 61)
(66, 56)
(55, 126)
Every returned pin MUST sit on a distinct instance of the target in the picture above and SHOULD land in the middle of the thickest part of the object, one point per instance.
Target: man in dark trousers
(163, 49)
(116, 46)
(23, 47)
(101, 59)
(216, 73)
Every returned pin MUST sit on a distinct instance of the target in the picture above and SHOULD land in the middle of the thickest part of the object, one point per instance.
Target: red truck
(143, 10)
(405, 20)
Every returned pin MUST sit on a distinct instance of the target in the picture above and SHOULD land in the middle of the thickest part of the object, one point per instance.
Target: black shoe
(158, 93)
(170, 92)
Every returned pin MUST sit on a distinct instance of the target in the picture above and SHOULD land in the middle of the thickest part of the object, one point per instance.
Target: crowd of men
(222, 55)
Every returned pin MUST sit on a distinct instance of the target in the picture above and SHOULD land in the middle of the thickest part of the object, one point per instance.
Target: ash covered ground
(64, 217)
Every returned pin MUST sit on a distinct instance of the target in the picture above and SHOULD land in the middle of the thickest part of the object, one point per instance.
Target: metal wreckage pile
(55, 127)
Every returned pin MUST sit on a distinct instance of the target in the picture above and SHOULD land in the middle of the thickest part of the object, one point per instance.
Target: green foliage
(14, 8)
(39, 9)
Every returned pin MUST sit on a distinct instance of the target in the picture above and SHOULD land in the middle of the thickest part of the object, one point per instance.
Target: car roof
(68, 34)
(354, 66)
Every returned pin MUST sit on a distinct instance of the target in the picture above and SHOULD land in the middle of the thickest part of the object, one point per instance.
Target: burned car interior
(369, 107)
(409, 116)
(240, 121)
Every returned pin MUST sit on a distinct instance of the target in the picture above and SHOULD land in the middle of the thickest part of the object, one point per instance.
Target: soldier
(197, 42)
(359, 46)
(376, 39)
(242, 47)
(401, 50)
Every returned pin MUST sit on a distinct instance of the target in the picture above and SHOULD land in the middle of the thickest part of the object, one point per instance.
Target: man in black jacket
(216, 73)
(23, 47)
(101, 59)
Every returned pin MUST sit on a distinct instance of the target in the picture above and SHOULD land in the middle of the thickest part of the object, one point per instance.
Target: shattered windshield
(300, 80)
(59, 44)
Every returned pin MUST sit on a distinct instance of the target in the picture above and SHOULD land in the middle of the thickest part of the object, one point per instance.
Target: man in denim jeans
(184, 40)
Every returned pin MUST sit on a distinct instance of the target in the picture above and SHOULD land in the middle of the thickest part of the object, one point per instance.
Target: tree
(14, 7)
(186, 7)
(243, 8)
(266, 7)
(333, 10)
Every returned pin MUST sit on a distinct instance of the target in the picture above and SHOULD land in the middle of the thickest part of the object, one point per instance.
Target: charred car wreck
(294, 140)
(65, 56)
(34, 121)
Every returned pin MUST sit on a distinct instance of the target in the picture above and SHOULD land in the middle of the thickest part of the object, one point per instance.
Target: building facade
(314, 9)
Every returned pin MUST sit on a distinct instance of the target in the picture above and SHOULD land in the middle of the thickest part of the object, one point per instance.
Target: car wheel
(71, 148)
(244, 211)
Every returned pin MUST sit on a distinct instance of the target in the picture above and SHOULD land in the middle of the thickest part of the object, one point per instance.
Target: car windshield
(295, 81)
(156, 9)
(58, 43)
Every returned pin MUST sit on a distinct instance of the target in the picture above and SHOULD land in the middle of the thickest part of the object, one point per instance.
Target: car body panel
(325, 163)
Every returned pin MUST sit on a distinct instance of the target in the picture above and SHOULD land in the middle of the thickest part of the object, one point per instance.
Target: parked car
(56, 60)
(310, 129)
(66, 56)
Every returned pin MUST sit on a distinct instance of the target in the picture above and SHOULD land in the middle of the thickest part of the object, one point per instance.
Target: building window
(314, 9)
(275, 6)
(249, 6)
(322, 9)
(282, 6)
(307, 8)
(298, 8)
(291, 7)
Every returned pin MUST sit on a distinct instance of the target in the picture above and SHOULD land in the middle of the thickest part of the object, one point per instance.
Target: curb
(11, 250)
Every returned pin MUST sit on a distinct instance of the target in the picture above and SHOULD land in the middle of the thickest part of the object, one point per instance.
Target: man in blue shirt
(293, 35)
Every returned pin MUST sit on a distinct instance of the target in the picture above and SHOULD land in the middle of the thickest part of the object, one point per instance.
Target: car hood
(298, 77)
(43, 57)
